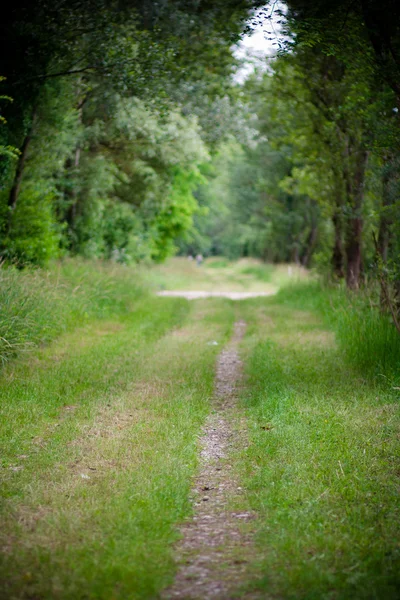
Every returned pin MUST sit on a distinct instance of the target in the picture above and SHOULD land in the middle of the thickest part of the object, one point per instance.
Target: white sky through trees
(264, 41)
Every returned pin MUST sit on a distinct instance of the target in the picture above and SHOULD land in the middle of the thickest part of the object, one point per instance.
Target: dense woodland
(245, 443)
(125, 134)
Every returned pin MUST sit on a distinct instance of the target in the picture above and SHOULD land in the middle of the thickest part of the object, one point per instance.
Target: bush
(33, 237)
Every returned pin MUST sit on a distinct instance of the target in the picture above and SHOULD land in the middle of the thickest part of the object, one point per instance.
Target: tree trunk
(14, 193)
(338, 252)
(353, 252)
(355, 196)
(310, 245)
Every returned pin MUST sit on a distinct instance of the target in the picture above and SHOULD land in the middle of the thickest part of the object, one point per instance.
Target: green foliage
(105, 119)
(33, 237)
(176, 216)
(248, 211)
(115, 122)
(8, 153)
(93, 181)
(31, 230)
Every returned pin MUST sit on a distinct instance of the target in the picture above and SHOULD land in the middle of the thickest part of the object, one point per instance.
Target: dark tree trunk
(14, 193)
(310, 245)
(338, 251)
(355, 193)
(353, 252)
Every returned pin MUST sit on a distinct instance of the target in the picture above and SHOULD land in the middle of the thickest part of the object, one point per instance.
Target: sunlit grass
(217, 274)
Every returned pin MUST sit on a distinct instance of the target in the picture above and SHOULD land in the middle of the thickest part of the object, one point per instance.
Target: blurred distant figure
(199, 259)
(190, 257)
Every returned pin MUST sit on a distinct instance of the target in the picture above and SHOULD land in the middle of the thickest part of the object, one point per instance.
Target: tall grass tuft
(37, 305)
(367, 336)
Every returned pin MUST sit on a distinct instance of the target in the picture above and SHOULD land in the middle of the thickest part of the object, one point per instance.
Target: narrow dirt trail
(214, 551)
(196, 295)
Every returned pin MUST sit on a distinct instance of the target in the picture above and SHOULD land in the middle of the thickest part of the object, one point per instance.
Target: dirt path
(196, 295)
(214, 550)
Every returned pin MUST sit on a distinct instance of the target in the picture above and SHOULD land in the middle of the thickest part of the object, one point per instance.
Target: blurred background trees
(320, 178)
(110, 106)
(125, 134)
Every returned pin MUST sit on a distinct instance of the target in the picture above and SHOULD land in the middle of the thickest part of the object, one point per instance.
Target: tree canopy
(124, 134)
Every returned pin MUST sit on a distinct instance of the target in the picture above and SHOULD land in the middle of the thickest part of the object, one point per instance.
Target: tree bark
(338, 251)
(14, 193)
(310, 244)
(355, 192)
(353, 252)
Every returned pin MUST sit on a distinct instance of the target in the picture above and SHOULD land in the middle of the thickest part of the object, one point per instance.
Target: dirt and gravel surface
(196, 295)
(215, 550)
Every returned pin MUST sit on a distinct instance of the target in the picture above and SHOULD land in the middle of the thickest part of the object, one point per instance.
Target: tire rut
(214, 552)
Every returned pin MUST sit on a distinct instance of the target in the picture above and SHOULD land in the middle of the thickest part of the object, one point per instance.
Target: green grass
(262, 272)
(218, 263)
(99, 431)
(369, 339)
(218, 274)
(322, 465)
(36, 306)
(99, 439)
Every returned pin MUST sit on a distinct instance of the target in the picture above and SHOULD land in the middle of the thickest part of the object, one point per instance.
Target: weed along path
(215, 551)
